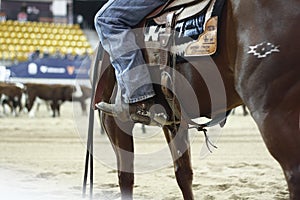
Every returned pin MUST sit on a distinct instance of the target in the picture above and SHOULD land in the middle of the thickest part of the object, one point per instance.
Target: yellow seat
(67, 31)
(70, 37)
(22, 41)
(63, 37)
(54, 31)
(6, 34)
(48, 43)
(31, 48)
(41, 42)
(63, 50)
(12, 55)
(86, 44)
(61, 43)
(9, 22)
(17, 28)
(19, 35)
(38, 36)
(54, 42)
(76, 37)
(10, 29)
(26, 35)
(52, 49)
(15, 41)
(8, 41)
(45, 24)
(49, 30)
(35, 42)
(22, 56)
(61, 31)
(28, 41)
(32, 35)
(3, 27)
(45, 36)
(73, 32)
(73, 43)
(79, 44)
(51, 36)
(42, 30)
(13, 34)
(83, 38)
(57, 37)
(29, 29)
(11, 47)
(78, 32)
(18, 47)
(24, 49)
(44, 49)
(67, 43)
(5, 55)
(36, 29)
(15, 23)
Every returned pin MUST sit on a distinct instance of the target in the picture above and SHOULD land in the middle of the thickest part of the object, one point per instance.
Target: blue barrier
(55, 68)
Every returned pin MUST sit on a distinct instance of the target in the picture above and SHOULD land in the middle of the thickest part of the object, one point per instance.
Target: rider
(114, 23)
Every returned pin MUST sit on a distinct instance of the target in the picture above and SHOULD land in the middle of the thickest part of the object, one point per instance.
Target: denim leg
(114, 23)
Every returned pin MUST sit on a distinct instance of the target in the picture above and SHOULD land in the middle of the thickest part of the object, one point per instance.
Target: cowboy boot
(142, 112)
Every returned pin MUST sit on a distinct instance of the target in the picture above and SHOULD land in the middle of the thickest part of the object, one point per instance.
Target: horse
(258, 64)
(11, 94)
(56, 94)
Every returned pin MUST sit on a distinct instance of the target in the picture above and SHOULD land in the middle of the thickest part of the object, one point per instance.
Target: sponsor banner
(51, 68)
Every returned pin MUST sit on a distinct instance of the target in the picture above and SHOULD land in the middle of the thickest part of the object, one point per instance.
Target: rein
(89, 151)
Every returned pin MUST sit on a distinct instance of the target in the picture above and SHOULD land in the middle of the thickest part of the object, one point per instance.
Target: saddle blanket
(185, 32)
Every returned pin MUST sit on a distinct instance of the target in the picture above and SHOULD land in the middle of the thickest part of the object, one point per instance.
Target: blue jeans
(114, 23)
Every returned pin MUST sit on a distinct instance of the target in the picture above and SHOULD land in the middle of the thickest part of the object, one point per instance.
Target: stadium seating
(19, 39)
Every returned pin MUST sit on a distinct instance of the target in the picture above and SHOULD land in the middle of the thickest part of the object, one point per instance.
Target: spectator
(22, 15)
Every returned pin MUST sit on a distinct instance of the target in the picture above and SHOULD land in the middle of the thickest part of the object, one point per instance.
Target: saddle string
(199, 127)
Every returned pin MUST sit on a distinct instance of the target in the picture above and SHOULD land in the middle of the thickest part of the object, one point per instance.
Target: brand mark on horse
(263, 49)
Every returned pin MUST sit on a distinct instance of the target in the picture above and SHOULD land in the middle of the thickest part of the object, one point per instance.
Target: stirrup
(157, 119)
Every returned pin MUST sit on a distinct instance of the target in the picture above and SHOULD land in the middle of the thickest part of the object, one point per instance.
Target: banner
(51, 68)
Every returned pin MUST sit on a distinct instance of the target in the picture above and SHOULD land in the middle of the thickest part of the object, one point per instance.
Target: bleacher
(19, 39)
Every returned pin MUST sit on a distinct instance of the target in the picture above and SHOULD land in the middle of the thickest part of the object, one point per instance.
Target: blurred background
(45, 42)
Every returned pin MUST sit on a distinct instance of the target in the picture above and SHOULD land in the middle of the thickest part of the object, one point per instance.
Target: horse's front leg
(177, 138)
(120, 135)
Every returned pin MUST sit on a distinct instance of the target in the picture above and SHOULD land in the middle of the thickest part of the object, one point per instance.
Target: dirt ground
(43, 158)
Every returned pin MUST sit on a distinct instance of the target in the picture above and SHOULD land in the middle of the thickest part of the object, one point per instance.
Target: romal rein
(89, 150)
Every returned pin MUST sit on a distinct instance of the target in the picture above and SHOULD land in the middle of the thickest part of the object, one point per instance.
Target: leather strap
(164, 39)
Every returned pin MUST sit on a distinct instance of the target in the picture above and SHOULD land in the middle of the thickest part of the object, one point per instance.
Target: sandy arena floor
(43, 158)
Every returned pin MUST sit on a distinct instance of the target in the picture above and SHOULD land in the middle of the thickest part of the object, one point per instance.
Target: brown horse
(54, 93)
(257, 64)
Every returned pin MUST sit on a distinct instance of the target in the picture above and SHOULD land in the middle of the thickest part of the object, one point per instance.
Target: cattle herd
(17, 98)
